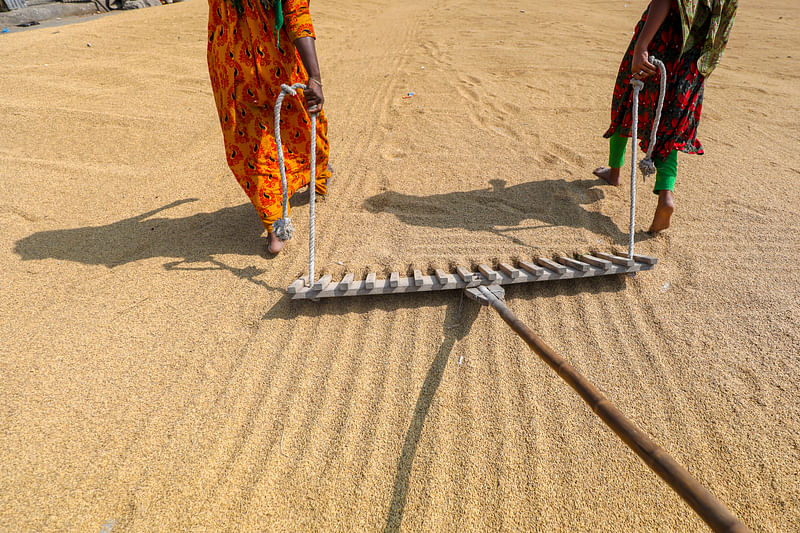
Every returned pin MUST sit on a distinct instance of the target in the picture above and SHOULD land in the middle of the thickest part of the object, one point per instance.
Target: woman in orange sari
(254, 46)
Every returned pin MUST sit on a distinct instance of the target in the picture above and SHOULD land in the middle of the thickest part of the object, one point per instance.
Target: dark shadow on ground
(193, 241)
(553, 202)
(457, 323)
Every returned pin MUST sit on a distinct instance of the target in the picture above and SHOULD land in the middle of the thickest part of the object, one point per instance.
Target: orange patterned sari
(247, 69)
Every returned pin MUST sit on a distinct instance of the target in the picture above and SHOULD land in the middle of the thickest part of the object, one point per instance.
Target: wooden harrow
(540, 269)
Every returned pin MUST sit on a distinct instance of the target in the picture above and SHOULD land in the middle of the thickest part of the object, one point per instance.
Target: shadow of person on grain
(552, 202)
(193, 240)
(458, 322)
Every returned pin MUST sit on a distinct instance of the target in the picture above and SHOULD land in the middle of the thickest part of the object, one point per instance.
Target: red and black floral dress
(683, 101)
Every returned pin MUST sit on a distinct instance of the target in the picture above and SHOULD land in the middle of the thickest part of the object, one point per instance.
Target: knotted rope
(646, 165)
(283, 226)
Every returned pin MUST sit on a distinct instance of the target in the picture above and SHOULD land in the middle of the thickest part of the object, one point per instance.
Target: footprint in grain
(393, 153)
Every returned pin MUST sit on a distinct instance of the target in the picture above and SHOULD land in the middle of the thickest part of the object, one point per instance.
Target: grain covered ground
(156, 378)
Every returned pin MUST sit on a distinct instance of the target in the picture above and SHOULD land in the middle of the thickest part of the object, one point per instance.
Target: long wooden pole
(705, 504)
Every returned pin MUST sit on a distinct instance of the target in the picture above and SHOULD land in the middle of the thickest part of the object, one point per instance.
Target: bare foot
(609, 175)
(274, 244)
(664, 210)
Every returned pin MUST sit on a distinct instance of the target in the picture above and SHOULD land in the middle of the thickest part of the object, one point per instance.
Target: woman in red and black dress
(688, 36)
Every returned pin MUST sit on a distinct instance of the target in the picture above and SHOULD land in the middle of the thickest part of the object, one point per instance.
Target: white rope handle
(312, 199)
(283, 226)
(646, 165)
(637, 86)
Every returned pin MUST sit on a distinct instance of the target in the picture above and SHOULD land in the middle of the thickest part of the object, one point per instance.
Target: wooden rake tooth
(468, 277)
(445, 280)
(646, 259)
(428, 282)
(595, 261)
(509, 271)
(617, 260)
(347, 281)
(418, 279)
(322, 282)
(297, 285)
(394, 279)
(465, 275)
(531, 268)
(369, 283)
(573, 263)
(488, 272)
(551, 265)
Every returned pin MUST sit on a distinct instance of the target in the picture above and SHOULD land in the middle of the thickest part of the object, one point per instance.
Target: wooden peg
(531, 268)
(572, 263)
(488, 272)
(617, 260)
(465, 275)
(551, 265)
(509, 271)
(296, 285)
(599, 263)
(347, 280)
(646, 259)
(322, 282)
(444, 279)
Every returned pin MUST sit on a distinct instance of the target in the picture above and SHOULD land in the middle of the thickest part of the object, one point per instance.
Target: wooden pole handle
(705, 504)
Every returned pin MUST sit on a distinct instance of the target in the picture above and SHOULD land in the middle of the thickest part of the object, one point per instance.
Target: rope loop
(283, 226)
(646, 165)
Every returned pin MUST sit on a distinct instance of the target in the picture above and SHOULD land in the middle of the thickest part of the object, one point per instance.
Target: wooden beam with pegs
(464, 278)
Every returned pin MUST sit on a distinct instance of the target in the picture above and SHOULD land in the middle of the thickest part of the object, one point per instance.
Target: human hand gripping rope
(646, 165)
(283, 226)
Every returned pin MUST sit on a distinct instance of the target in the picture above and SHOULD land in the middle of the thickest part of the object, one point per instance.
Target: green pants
(667, 169)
